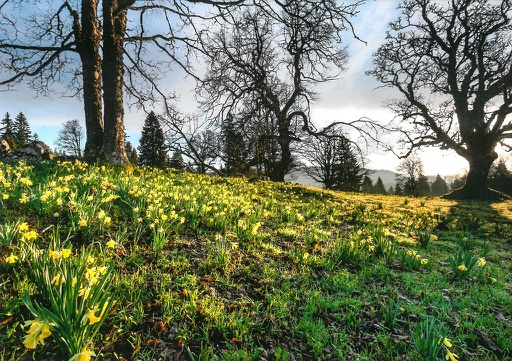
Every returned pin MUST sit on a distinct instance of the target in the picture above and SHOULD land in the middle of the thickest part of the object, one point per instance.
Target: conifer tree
(367, 185)
(131, 152)
(177, 161)
(439, 186)
(7, 131)
(6, 126)
(379, 187)
(151, 145)
(21, 130)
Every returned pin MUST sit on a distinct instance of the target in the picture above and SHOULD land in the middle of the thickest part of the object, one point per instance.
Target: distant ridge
(388, 178)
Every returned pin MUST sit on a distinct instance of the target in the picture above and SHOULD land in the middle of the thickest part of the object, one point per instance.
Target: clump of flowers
(74, 298)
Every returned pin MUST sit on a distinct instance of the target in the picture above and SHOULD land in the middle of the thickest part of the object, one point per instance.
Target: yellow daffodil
(58, 280)
(23, 227)
(66, 252)
(82, 223)
(73, 282)
(84, 355)
(424, 261)
(84, 292)
(462, 268)
(37, 332)
(433, 237)
(29, 236)
(447, 342)
(91, 317)
(11, 259)
(451, 356)
(5, 196)
(481, 261)
(111, 244)
(55, 254)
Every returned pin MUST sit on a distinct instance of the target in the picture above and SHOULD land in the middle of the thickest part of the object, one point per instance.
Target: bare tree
(270, 57)
(69, 139)
(52, 39)
(410, 172)
(452, 62)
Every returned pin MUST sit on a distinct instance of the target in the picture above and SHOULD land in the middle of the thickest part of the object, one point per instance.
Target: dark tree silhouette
(367, 185)
(7, 126)
(69, 139)
(131, 152)
(268, 59)
(235, 150)
(452, 62)
(410, 172)
(50, 40)
(21, 130)
(334, 162)
(152, 151)
(379, 188)
(439, 186)
(500, 178)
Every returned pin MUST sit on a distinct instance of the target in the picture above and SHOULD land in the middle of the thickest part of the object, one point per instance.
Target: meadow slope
(109, 263)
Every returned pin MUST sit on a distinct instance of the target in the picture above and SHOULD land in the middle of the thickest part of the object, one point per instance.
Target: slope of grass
(208, 268)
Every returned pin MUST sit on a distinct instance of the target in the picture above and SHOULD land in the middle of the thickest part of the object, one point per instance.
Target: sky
(352, 96)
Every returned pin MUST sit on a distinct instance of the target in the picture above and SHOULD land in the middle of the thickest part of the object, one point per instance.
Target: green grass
(212, 268)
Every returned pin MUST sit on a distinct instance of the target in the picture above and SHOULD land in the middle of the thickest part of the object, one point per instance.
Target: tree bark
(114, 27)
(477, 179)
(91, 68)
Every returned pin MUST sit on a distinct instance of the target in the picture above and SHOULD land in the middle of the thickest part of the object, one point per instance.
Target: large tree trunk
(91, 68)
(476, 182)
(284, 164)
(114, 27)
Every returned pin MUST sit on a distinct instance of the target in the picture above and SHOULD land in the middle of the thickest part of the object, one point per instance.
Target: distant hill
(388, 178)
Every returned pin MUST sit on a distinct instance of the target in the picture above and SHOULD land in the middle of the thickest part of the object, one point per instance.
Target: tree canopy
(452, 63)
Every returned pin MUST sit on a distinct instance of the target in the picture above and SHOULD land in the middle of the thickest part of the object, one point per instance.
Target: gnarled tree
(453, 65)
(267, 59)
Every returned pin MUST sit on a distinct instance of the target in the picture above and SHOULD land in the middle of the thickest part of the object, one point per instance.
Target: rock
(36, 151)
(4, 146)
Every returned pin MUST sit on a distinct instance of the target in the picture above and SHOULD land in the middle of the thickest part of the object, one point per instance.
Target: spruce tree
(21, 130)
(367, 186)
(379, 187)
(439, 186)
(151, 145)
(131, 153)
(177, 161)
(7, 131)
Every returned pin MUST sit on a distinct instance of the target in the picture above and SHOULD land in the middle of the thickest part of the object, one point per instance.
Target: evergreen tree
(500, 178)
(21, 130)
(398, 190)
(35, 137)
(391, 191)
(459, 182)
(367, 185)
(7, 131)
(235, 151)
(177, 161)
(423, 186)
(379, 187)
(439, 186)
(131, 153)
(152, 143)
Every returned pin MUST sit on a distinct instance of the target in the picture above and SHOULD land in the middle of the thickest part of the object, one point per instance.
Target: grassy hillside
(131, 264)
